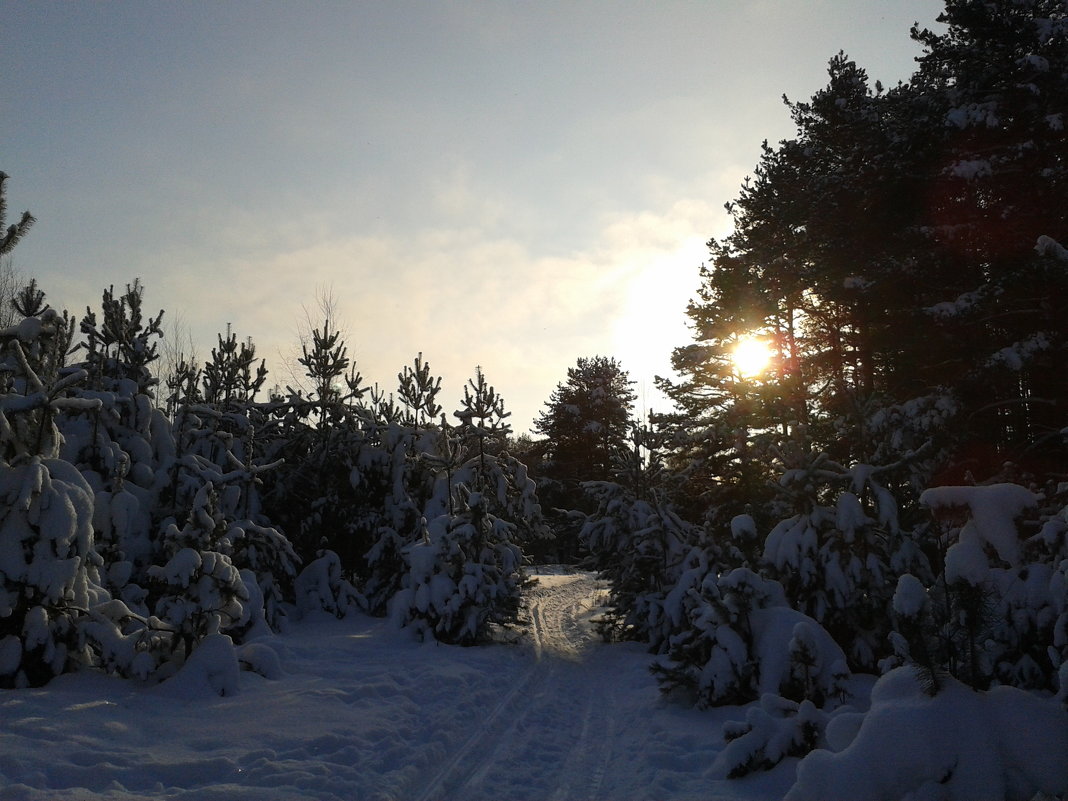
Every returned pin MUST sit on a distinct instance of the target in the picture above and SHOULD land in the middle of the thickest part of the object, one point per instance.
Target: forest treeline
(143, 516)
(891, 490)
(902, 258)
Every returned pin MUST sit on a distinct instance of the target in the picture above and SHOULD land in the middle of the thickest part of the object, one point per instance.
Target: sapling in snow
(464, 576)
(198, 591)
(48, 568)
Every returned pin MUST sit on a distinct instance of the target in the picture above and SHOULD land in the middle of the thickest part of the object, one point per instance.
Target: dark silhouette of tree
(586, 419)
(14, 232)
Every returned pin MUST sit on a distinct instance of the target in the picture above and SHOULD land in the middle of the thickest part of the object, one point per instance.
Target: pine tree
(230, 442)
(124, 448)
(10, 237)
(482, 425)
(199, 591)
(902, 254)
(230, 375)
(464, 576)
(464, 572)
(49, 574)
(586, 419)
(324, 436)
(418, 390)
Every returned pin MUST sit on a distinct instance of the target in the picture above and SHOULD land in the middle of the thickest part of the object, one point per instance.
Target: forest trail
(359, 709)
(557, 722)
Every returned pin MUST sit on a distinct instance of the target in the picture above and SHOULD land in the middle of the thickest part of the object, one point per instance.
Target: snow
(910, 597)
(993, 512)
(1048, 246)
(346, 708)
(212, 669)
(961, 305)
(857, 282)
(959, 745)
(181, 568)
(1016, 356)
(974, 115)
(743, 527)
(970, 169)
(774, 631)
(360, 710)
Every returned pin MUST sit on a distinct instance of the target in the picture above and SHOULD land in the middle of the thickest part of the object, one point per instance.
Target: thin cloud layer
(505, 185)
(466, 299)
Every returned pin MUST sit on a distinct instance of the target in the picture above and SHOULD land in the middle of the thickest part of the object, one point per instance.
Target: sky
(511, 185)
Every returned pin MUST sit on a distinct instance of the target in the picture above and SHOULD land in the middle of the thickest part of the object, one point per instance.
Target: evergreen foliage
(48, 566)
(131, 535)
(888, 492)
(586, 420)
(49, 570)
(902, 257)
(14, 232)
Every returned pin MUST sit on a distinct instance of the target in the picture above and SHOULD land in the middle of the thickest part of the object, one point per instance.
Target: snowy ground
(363, 712)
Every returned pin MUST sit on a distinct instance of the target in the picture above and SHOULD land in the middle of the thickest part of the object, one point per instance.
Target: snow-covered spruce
(217, 450)
(197, 591)
(642, 548)
(124, 446)
(322, 587)
(773, 729)
(743, 642)
(991, 614)
(463, 576)
(47, 567)
(837, 555)
(49, 571)
(393, 481)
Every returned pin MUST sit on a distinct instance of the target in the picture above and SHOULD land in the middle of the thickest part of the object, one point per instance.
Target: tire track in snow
(554, 721)
(458, 768)
(583, 773)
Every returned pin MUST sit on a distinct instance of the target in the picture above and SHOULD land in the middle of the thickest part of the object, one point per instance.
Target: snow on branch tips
(992, 514)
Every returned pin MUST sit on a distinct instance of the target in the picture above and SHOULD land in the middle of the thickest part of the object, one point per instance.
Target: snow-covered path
(361, 711)
(584, 721)
(553, 724)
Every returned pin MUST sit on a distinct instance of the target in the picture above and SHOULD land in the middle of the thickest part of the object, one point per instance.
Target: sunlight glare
(751, 356)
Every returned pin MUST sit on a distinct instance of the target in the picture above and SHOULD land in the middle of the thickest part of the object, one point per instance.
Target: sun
(751, 356)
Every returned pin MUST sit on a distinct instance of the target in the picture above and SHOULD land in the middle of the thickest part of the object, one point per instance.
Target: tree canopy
(902, 255)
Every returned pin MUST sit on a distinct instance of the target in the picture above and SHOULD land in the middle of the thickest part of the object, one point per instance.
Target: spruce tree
(586, 419)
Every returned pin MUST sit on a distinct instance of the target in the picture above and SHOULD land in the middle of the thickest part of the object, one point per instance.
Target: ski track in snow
(554, 721)
(363, 712)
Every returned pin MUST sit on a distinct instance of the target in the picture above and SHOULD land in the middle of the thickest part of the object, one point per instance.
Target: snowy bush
(212, 669)
(202, 595)
(958, 745)
(198, 591)
(218, 458)
(47, 568)
(641, 548)
(321, 586)
(123, 446)
(991, 614)
(743, 642)
(836, 556)
(463, 576)
(270, 562)
(124, 642)
(49, 571)
(774, 728)
(392, 481)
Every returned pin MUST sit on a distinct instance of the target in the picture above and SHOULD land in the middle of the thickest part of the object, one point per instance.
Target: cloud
(464, 297)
